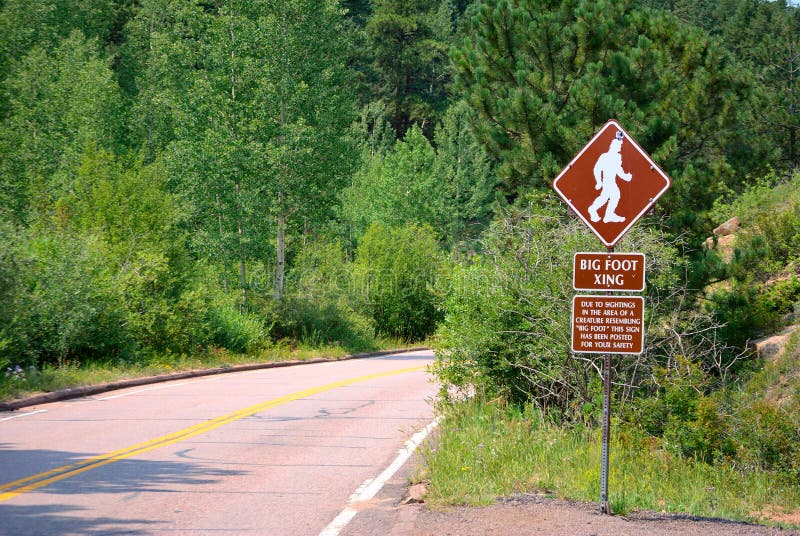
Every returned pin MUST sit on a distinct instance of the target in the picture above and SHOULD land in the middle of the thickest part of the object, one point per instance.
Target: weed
(487, 449)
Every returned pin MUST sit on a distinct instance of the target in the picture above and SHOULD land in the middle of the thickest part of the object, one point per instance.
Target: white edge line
(370, 487)
(24, 414)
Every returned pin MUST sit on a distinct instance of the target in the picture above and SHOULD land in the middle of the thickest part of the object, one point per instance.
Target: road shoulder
(527, 514)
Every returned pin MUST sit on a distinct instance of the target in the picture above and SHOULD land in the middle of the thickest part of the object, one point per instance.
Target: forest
(187, 177)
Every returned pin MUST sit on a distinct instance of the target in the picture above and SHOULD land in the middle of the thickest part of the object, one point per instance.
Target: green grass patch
(486, 450)
(18, 382)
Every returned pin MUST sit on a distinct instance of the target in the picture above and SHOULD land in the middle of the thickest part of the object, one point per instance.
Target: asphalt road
(273, 452)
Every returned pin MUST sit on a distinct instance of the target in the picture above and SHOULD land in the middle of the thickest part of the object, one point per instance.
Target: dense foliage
(183, 176)
(544, 76)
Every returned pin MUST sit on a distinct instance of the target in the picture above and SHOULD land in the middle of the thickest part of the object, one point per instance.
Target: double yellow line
(24, 485)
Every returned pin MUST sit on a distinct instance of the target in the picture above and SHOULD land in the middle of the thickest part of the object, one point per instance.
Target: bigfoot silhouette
(606, 170)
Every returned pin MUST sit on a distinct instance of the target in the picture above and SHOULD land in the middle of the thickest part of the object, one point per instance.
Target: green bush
(756, 298)
(73, 303)
(672, 397)
(506, 329)
(396, 271)
(320, 303)
(753, 425)
(67, 305)
(236, 330)
(10, 272)
(315, 323)
(166, 308)
(750, 308)
(702, 436)
(765, 415)
(757, 203)
(768, 437)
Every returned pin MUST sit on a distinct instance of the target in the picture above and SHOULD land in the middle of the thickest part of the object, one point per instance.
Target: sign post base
(605, 507)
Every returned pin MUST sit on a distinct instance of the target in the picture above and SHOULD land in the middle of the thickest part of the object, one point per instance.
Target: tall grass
(486, 450)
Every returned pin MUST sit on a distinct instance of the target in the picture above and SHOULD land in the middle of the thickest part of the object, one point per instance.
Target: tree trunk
(224, 253)
(280, 272)
(280, 250)
(242, 264)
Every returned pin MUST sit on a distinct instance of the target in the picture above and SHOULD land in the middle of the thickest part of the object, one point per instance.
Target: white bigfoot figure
(606, 170)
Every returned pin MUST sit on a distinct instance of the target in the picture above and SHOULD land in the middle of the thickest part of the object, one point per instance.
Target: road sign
(608, 272)
(608, 324)
(611, 183)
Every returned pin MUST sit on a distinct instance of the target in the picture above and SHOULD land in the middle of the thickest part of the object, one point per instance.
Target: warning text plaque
(608, 324)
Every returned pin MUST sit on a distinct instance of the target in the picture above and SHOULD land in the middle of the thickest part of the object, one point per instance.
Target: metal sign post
(605, 507)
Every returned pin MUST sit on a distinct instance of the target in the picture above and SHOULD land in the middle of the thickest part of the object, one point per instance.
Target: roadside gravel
(524, 515)
(529, 515)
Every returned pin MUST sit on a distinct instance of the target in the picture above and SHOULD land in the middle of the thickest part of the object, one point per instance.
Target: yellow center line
(24, 485)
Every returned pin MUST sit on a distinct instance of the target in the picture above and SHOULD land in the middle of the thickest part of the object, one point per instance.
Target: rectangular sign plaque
(608, 324)
(608, 272)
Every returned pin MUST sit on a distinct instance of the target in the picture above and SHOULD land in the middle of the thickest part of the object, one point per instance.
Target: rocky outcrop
(770, 348)
(724, 239)
(728, 228)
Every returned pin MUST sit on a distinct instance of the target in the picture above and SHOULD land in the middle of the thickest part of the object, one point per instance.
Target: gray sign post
(605, 507)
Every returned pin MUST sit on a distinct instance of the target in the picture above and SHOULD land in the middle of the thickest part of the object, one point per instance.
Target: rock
(772, 346)
(728, 228)
(416, 494)
(724, 246)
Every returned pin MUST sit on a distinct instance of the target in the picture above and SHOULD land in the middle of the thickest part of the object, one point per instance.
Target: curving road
(276, 451)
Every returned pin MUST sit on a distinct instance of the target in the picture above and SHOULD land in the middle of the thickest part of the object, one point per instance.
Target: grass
(486, 450)
(17, 382)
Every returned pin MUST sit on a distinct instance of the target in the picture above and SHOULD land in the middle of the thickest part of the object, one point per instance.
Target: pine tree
(766, 37)
(397, 188)
(544, 76)
(449, 188)
(409, 41)
(466, 174)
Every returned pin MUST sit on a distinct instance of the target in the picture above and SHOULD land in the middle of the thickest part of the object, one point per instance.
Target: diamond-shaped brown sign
(611, 183)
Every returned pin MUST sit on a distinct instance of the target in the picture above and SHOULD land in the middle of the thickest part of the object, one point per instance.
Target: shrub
(754, 425)
(166, 307)
(319, 306)
(506, 326)
(702, 435)
(673, 396)
(10, 272)
(754, 300)
(67, 306)
(767, 437)
(506, 329)
(236, 330)
(318, 323)
(396, 270)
